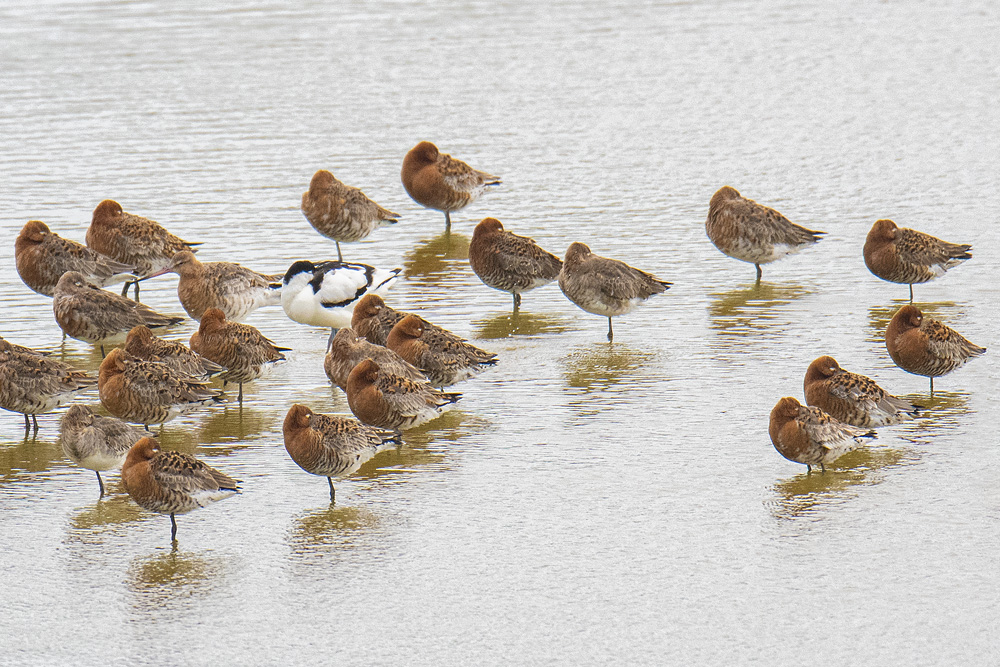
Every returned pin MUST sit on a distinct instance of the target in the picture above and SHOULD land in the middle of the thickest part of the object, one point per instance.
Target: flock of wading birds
(392, 365)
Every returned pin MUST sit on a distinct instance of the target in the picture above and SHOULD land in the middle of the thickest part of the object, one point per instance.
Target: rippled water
(587, 503)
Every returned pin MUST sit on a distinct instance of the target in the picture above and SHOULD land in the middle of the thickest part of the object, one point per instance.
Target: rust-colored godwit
(95, 442)
(235, 290)
(33, 384)
(88, 313)
(143, 344)
(508, 262)
(341, 212)
(332, 446)
(438, 181)
(171, 482)
(852, 398)
(149, 392)
(373, 319)
(806, 434)
(751, 232)
(242, 349)
(42, 256)
(901, 255)
(605, 286)
(349, 349)
(444, 359)
(133, 240)
(923, 346)
(392, 402)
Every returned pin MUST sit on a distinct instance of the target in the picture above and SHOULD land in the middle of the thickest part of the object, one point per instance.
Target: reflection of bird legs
(611, 333)
(333, 494)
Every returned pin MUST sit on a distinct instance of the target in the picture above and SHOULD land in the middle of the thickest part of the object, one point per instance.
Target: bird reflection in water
(600, 366)
(330, 529)
(433, 261)
(806, 495)
(231, 424)
(880, 316)
(166, 578)
(520, 323)
(945, 411)
(23, 457)
(751, 310)
(110, 512)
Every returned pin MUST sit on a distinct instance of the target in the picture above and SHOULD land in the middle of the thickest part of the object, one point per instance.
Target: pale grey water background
(587, 503)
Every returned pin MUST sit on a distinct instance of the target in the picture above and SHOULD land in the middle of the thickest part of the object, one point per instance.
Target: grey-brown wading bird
(508, 262)
(88, 313)
(745, 230)
(42, 256)
(235, 290)
(901, 255)
(605, 286)
(133, 240)
(171, 482)
(95, 442)
(349, 349)
(438, 181)
(341, 212)
(805, 434)
(923, 346)
(33, 384)
(143, 344)
(331, 446)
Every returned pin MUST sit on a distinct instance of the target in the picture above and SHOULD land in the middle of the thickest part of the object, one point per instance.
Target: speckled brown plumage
(236, 290)
(149, 392)
(605, 286)
(88, 313)
(94, 441)
(242, 349)
(33, 385)
(852, 398)
(341, 212)
(7, 346)
(923, 346)
(42, 256)
(392, 402)
(438, 181)
(901, 255)
(745, 230)
(172, 482)
(348, 350)
(132, 239)
(444, 358)
(331, 446)
(373, 319)
(508, 262)
(143, 344)
(808, 435)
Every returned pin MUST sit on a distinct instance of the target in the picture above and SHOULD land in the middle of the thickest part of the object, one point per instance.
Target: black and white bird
(324, 294)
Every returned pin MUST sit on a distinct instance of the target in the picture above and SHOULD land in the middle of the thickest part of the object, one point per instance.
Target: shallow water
(586, 503)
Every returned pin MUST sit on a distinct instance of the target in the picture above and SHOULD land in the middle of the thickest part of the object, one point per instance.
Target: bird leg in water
(333, 494)
(340, 257)
(447, 222)
(611, 333)
(517, 301)
(240, 397)
(100, 482)
(173, 528)
(759, 272)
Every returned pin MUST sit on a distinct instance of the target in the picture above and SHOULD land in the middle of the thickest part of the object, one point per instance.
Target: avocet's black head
(301, 266)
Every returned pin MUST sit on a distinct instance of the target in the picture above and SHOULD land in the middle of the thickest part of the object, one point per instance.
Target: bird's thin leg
(447, 222)
(932, 387)
(128, 283)
(27, 424)
(517, 301)
(100, 482)
(809, 469)
(102, 352)
(333, 493)
(34, 422)
(136, 291)
(173, 528)
(822, 467)
(340, 257)
(611, 333)
(911, 292)
(240, 397)
(759, 272)
(329, 341)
